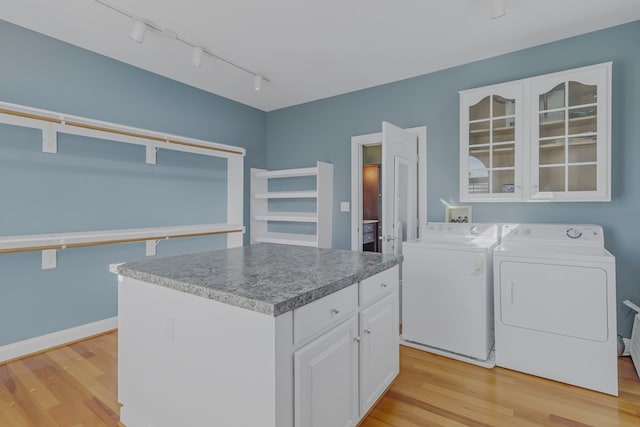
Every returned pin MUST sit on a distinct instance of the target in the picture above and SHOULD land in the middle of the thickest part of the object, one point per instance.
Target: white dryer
(555, 300)
(447, 291)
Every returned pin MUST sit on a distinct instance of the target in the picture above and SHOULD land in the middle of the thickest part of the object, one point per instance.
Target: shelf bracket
(49, 259)
(151, 247)
(151, 154)
(49, 139)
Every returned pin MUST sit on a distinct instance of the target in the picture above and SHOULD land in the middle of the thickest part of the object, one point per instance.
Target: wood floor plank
(76, 386)
(39, 391)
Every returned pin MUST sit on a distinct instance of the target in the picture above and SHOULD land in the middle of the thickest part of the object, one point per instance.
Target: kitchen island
(262, 335)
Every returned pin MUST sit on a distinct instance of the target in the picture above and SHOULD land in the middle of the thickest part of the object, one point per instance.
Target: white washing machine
(555, 299)
(447, 291)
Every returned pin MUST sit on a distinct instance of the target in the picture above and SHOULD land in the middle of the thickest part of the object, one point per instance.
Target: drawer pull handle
(367, 331)
(335, 311)
(383, 284)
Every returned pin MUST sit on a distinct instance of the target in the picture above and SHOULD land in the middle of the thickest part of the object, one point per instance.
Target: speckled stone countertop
(268, 278)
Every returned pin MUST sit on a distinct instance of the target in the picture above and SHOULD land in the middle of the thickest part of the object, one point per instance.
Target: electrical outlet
(344, 207)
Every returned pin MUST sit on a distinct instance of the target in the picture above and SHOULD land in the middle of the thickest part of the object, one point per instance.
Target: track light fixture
(257, 82)
(498, 8)
(138, 30)
(196, 56)
(141, 25)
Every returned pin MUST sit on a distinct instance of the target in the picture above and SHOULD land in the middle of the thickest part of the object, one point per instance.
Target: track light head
(196, 56)
(138, 30)
(498, 8)
(257, 82)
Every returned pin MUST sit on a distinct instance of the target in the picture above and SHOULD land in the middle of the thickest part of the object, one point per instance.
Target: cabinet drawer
(368, 238)
(378, 285)
(314, 317)
(369, 227)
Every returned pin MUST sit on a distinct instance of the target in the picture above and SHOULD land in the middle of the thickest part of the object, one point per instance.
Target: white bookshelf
(261, 216)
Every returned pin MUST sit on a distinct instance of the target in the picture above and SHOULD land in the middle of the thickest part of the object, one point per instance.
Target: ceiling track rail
(51, 123)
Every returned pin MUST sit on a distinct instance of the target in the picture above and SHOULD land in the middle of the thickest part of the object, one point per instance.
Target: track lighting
(196, 56)
(137, 31)
(257, 82)
(498, 8)
(141, 25)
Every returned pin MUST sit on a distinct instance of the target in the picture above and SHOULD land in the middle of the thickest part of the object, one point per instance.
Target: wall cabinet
(543, 138)
(263, 215)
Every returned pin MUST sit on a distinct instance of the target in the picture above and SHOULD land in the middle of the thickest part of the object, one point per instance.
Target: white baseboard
(55, 339)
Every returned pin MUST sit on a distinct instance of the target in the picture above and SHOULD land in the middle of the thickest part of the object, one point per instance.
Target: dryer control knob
(475, 230)
(572, 233)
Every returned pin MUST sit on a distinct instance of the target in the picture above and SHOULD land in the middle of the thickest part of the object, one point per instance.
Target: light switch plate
(344, 207)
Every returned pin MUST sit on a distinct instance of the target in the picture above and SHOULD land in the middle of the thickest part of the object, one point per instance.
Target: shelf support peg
(151, 247)
(49, 139)
(49, 259)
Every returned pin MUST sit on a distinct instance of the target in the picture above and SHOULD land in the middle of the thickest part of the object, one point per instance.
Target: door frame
(357, 143)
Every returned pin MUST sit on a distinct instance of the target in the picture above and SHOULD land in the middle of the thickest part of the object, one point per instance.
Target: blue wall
(322, 130)
(91, 184)
(95, 185)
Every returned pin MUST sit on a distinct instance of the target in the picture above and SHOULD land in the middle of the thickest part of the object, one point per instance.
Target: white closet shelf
(49, 243)
(288, 216)
(288, 173)
(288, 239)
(37, 242)
(51, 123)
(288, 195)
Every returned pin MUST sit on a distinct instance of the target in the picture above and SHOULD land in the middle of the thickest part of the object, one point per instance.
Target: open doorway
(367, 204)
(371, 197)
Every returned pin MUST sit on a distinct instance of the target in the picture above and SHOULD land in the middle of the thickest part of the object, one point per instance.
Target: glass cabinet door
(569, 136)
(490, 144)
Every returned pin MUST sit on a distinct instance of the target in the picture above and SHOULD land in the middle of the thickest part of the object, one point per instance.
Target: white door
(399, 187)
(326, 379)
(378, 349)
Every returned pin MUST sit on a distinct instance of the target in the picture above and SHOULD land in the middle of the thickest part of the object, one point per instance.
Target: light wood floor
(75, 386)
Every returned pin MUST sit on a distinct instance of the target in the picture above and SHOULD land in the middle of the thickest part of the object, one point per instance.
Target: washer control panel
(460, 229)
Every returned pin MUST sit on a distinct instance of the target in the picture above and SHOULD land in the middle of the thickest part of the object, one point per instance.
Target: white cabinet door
(570, 135)
(379, 347)
(542, 138)
(491, 143)
(326, 379)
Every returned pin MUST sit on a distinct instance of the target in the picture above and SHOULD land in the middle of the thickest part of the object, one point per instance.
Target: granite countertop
(268, 278)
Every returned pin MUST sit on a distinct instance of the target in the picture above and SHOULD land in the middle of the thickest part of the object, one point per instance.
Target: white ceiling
(312, 49)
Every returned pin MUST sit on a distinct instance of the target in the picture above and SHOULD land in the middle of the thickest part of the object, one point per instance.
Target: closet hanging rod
(103, 127)
(107, 241)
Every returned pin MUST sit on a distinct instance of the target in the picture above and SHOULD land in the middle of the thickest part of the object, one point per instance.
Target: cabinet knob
(356, 339)
(367, 331)
(383, 285)
(335, 311)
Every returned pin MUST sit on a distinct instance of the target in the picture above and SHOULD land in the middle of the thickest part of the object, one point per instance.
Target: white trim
(359, 141)
(55, 339)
